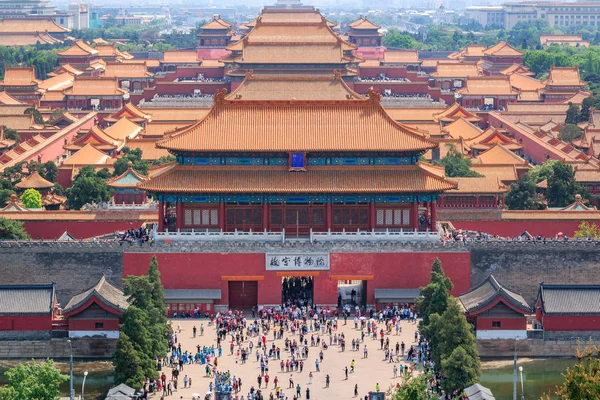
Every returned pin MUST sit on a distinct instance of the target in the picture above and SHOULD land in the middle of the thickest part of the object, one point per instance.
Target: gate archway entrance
(243, 294)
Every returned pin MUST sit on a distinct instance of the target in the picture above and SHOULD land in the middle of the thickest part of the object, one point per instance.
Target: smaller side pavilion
(125, 186)
(96, 312)
(27, 311)
(496, 312)
(568, 311)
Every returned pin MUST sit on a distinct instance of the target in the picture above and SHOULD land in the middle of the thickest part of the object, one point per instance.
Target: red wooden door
(243, 294)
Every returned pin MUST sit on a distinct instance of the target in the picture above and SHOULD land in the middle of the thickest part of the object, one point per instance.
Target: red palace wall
(25, 323)
(571, 323)
(381, 270)
(90, 324)
(78, 229)
(485, 323)
(546, 228)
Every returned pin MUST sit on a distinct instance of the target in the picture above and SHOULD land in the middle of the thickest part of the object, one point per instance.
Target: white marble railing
(220, 236)
(265, 236)
(365, 236)
(120, 206)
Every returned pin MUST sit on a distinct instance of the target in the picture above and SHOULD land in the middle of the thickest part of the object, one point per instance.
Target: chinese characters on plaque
(297, 261)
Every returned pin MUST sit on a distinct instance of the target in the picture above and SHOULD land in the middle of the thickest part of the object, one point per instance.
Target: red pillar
(265, 211)
(161, 216)
(372, 217)
(179, 215)
(222, 216)
(414, 216)
(328, 216)
(476, 201)
(433, 216)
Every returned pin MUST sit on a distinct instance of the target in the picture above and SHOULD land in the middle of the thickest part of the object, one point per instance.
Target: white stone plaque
(297, 261)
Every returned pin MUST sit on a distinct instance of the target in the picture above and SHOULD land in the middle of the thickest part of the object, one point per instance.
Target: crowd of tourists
(304, 331)
(140, 236)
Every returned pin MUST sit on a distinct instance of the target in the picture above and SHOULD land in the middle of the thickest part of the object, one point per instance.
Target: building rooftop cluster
(293, 68)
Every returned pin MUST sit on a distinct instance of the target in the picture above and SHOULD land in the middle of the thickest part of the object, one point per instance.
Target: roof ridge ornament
(374, 96)
(220, 97)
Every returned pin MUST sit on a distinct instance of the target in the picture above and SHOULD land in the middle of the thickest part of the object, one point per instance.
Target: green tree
(434, 297)
(127, 363)
(12, 230)
(586, 109)
(572, 114)
(31, 198)
(395, 38)
(37, 116)
(414, 388)
(49, 171)
(461, 369)
(164, 160)
(522, 195)
(588, 230)
(570, 132)
(562, 187)
(456, 165)
(31, 381)
(146, 293)
(6, 191)
(136, 327)
(541, 172)
(135, 158)
(158, 314)
(11, 134)
(582, 382)
(88, 187)
(454, 332)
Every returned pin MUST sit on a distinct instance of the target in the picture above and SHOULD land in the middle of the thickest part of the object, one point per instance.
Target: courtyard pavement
(368, 371)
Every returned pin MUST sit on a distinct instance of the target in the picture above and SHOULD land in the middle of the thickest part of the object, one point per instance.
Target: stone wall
(521, 266)
(495, 348)
(74, 268)
(58, 348)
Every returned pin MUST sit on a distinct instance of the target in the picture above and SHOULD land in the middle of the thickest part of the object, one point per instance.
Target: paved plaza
(368, 371)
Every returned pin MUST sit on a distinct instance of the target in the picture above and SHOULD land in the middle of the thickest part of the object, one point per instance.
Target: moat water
(540, 376)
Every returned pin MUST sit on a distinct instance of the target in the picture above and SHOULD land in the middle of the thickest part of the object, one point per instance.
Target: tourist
(327, 381)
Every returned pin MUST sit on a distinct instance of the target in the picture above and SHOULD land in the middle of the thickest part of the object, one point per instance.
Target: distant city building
(556, 14)
(23, 8)
(80, 15)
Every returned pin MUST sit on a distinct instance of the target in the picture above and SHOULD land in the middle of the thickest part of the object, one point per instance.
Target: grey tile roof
(402, 295)
(121, 392)
(34, 299)
(105, 292)
(570, 299)
(486, 292)
(479, 392)
(192, 294)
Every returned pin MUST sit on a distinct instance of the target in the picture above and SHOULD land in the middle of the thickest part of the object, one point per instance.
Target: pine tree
(461, 370)
(453, 331)
(127, 363)
(136, 327)
(158, 315)
(434, 296)
(146, 293)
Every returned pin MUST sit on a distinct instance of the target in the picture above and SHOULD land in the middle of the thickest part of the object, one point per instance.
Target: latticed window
(201, 217)
(392, 217)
